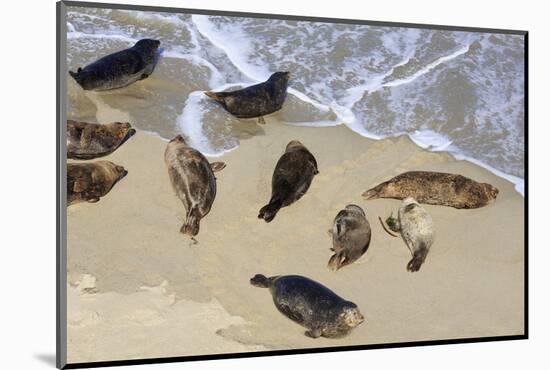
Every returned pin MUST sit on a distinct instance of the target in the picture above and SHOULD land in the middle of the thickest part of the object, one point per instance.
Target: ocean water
(460, 92)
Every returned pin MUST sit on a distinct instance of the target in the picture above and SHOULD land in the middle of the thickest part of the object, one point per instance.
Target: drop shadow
(47, 358)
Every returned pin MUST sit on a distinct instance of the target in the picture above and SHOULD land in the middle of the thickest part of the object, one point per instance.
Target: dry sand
(138, 289)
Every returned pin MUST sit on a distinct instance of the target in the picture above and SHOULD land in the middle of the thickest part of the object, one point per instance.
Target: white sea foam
(337, 70)
(235, 45)
(190, 123)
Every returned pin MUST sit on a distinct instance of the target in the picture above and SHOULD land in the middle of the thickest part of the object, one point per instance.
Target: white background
(27, 182)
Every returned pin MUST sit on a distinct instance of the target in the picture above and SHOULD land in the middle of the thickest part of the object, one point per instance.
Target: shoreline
(111, 258)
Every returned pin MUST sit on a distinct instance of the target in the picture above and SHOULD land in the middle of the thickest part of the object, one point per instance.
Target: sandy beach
(138, 289)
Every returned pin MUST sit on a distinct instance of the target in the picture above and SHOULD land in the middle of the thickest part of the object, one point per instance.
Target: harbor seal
(351, 235)
(311, 305)
(87, 182)
(93, 140)
(193, 180)
(436, 188)
(417, 230)
(119, 69)
(257, 100)
(291, 179)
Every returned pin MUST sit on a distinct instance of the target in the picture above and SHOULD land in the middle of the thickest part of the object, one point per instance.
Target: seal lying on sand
(87, 182)
(417, 230)
(193, 181)
(93, 140)
(350, 236)
(311, 305)
(257, 100)
(119, 69)
(291, 179)
(436, 188)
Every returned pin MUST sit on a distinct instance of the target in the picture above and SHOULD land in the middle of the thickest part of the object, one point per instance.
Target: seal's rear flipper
(337, 261)
(217, 166)
(269, 211)
(218, 96)
(418, 258)
(192, 223)
(260, 281)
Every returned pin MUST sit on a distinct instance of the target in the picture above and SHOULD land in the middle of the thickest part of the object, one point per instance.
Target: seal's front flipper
(261, 120)
(313, 333)
(93, 200)
(144, 76)
(217, 166)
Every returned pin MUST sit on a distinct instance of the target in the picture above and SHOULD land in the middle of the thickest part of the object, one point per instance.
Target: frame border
(61, 211)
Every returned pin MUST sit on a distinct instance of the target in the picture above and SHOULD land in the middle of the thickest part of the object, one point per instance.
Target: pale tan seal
(351, 236)
(193, 180)
(417, 230)
(436, 188)
(87, 182)
(92, 140)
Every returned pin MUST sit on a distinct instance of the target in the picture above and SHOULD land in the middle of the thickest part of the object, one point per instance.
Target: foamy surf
(454, 91)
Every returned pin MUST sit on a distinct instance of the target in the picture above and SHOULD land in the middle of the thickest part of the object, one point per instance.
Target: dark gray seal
(119, 69)
(351, 235)
(193, 181)
(417, 229)
(436, 188)
(92, 140)
(87, 182)
(291, 179)
(257, 100)
(311, 305)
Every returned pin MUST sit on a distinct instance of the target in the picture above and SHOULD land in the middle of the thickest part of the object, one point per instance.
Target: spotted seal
(311, 305)
(436, 188)
(351, 236)
(291, 179)
(87, 182)
(92, 140)
(257, 100)
(193, 180)
(417, 230)
(119, 69)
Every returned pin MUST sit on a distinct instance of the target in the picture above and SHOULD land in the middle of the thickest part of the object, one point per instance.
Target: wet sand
(139, 289)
